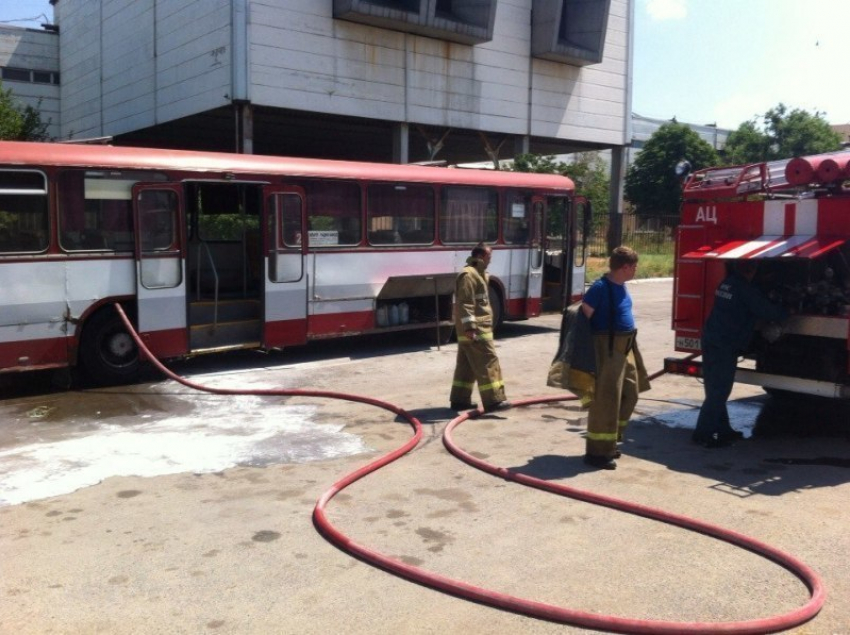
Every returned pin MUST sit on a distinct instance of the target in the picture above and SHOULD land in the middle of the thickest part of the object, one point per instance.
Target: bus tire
(496, 306)
(108, 353)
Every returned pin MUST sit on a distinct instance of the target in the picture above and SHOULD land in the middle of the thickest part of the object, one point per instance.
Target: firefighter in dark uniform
(476, 354)
(737, 305)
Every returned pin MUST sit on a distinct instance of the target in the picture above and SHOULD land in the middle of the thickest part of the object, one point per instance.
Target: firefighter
(620, 373)
(727, 332)
(476, 354)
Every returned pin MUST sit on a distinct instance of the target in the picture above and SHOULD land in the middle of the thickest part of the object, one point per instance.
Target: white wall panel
(299, 57)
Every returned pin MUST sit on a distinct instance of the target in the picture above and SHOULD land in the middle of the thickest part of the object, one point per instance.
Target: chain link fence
(646, 234)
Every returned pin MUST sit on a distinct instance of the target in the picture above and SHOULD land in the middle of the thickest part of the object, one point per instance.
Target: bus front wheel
(108, 353)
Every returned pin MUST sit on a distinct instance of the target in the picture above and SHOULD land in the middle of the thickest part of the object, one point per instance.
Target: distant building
(844, 131)
(644, 127)
(29, 67)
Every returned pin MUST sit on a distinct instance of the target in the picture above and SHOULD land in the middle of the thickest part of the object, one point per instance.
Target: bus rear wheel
(496, 306)
(108, 353)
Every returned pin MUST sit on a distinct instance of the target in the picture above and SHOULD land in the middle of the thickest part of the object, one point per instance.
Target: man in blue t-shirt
(726, 335)
(619, 372)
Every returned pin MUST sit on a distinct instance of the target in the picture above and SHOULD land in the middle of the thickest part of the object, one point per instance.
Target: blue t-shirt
(597, 296)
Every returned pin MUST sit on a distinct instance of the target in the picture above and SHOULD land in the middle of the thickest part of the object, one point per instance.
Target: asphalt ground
(234, 549)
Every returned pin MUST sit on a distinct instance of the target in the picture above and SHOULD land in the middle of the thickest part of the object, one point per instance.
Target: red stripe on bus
(167, 343)
(340, 323)
(33, 354)
(286, 333)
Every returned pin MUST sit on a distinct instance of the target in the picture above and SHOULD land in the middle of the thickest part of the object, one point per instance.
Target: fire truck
(793, 217)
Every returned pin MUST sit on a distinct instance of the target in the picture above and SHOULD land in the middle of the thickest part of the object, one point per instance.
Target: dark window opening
(23, 212)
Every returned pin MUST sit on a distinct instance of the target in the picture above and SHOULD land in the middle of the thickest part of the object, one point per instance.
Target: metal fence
(647, 234)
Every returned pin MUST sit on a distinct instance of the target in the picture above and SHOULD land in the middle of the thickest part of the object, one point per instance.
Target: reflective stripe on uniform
(623, 424)
(463, 384)
(481, 336)
(493, 386)
(602, 436)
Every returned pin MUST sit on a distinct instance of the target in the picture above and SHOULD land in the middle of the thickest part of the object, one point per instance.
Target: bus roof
(31, 154)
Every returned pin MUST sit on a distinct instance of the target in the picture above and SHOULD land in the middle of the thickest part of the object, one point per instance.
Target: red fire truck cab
(793, 217)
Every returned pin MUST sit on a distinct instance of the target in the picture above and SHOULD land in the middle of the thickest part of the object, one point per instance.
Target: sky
(718, 62)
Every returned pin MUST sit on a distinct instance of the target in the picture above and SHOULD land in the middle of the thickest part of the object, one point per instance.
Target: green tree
(652, 185)
(587, 170)
(782, 134)
(19, 122)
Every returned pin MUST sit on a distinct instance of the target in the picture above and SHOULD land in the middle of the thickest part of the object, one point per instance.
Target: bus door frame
(161, 277)
(584, 222)
(285, 283)
(536, 255)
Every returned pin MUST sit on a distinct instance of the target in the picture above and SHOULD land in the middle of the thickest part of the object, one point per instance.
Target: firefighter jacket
(574, 366)
(472, 301)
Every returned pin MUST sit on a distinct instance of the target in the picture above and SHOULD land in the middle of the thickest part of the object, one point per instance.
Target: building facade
(383, 80)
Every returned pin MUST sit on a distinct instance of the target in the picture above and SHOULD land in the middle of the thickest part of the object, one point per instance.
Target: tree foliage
(782, 134)
(19, 122)
(587, 170)
(652, 186)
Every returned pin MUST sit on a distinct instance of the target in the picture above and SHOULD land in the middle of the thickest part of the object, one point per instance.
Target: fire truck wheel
(107, 352)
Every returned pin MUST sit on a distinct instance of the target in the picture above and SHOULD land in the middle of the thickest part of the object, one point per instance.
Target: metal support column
(615, 201)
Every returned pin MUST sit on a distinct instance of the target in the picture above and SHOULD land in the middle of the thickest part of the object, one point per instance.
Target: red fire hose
(509, 602)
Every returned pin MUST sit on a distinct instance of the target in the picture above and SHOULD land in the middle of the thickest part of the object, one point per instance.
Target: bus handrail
(206, 247)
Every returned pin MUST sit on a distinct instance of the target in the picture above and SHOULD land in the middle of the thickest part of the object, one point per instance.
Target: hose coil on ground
(512, 603)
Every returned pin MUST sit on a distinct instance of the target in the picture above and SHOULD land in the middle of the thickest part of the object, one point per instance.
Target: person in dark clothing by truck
(738, 304)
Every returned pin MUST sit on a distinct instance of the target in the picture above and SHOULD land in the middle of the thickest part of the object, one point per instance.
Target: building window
(29, 76)
(463, 21)
(570, 31)
(410, 6)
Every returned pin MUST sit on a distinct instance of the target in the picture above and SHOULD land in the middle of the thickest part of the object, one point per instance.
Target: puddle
(683, 413)
(58, 447)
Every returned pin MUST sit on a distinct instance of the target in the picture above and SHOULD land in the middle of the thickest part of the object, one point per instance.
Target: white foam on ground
(742, 415)
(245, 431)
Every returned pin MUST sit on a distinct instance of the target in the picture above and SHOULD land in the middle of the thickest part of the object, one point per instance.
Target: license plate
(688, 343)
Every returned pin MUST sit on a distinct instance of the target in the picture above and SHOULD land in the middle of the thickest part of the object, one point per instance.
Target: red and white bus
(212, 251)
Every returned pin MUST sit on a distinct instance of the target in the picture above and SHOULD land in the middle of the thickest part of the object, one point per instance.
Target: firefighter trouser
(615, 395)
(477, 362)
(718, 369)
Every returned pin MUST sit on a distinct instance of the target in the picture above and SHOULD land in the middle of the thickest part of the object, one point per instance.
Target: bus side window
(400, 214)
(95, 209)
(333, 213)
(469, 215)
(517, 219)
(23, 211)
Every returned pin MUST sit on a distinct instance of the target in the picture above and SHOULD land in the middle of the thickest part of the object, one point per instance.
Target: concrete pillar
(244, 114)
(401, 143)
(522, 144)
(615, 201)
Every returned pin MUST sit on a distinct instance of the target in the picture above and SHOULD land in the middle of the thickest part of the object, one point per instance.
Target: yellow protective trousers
(616, 393)
(477, 362)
